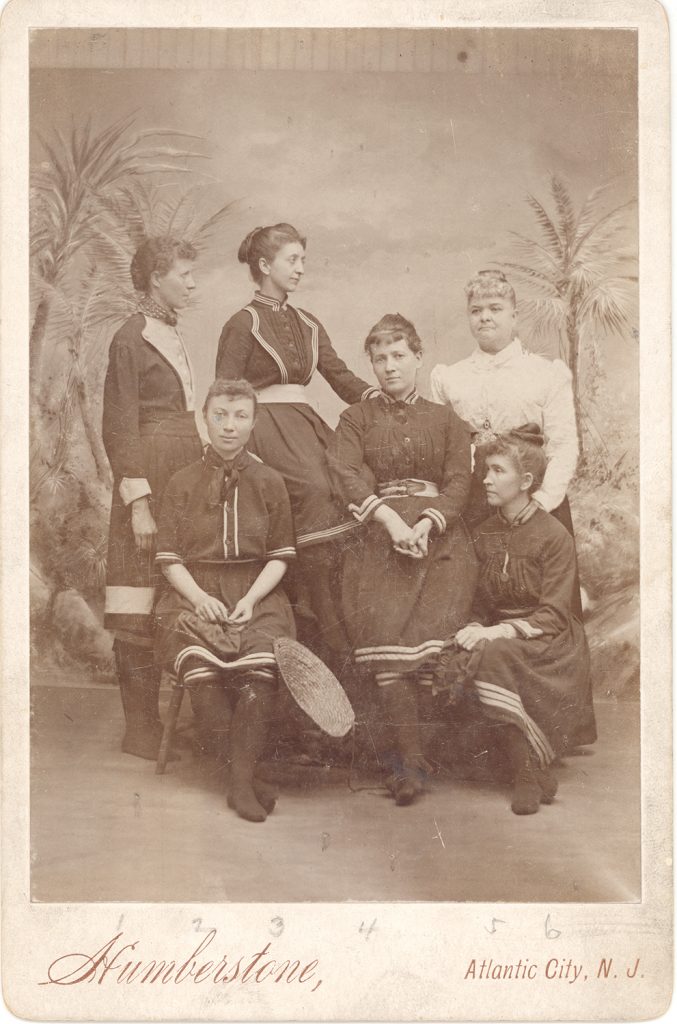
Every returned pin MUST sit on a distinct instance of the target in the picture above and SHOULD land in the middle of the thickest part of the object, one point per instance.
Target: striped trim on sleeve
(369, 392)
(366, 510)
(168, 558)
(283, 553)
(438, 519)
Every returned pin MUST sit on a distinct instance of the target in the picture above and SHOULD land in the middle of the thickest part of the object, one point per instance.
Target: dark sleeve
(351, 477)
(280, 542)
(456, 474)
(235, 347)
(169, 548)
(120, 427)
(342, 380)
(558, 579)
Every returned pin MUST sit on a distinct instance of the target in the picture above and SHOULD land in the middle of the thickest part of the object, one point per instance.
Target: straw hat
(315, 689)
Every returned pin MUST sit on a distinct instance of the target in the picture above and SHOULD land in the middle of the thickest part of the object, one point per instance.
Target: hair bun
(529, 433)
(244, 252)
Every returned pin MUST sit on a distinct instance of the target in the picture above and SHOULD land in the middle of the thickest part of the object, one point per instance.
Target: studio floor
(105, 827)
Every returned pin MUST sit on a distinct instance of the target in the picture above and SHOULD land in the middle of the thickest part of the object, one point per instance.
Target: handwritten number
(278, 927)
(367, 931)
(197, 921)
(494, 922)
(550, 932)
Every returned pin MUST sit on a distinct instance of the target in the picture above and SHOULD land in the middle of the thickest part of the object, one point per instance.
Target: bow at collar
(223, 475)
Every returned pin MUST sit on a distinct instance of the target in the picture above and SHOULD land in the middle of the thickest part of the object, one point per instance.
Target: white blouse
(500, 392)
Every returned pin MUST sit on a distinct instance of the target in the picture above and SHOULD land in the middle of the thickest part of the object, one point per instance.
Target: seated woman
(225, 537)
(402, 465)
(527, 655)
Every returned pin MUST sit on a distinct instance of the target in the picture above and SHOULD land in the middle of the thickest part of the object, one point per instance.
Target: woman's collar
(511, 351)
(412, 397)
(239, 461)
(267, 300)
(519, 518)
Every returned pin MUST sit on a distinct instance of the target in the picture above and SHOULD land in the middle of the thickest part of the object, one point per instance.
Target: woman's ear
(263, 266)
(527, 482)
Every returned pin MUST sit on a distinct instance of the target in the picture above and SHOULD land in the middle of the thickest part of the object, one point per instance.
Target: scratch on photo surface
(439, 834)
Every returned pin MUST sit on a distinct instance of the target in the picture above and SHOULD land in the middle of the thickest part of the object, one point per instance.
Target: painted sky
(405, 183)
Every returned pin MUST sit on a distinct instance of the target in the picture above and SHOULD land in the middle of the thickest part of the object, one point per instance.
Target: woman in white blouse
(502, 386)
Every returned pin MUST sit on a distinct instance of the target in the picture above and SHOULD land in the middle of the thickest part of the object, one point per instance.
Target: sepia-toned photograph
(334, 392)
(337, 515)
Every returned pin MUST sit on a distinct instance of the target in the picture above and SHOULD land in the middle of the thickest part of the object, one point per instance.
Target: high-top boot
(410, 769)
(139, 680)
(526, 794)
(213, 715)
(248, 735)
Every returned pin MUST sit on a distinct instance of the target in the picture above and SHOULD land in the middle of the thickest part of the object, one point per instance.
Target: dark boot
(400, 711)
(249, 731)
(139, 680)
(213, 715)
(526, 795)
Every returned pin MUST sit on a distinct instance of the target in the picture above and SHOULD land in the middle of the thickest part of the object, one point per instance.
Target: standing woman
(501, 386)
(278, 348)
(149, 433)
(402, 465)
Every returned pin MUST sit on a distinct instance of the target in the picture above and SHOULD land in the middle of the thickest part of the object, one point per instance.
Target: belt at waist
(176, 424)
(282, 393)
(407, 488)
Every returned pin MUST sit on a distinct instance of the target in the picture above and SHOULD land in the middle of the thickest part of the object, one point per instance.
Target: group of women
(429, 542)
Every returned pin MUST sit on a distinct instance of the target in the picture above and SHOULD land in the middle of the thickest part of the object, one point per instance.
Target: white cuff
(133, 488)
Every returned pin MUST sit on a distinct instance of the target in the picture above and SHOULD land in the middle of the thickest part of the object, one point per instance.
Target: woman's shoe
(526, 796)
(242, 799)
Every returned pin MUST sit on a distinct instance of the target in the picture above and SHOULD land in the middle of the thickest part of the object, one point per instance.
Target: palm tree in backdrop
(580, 272)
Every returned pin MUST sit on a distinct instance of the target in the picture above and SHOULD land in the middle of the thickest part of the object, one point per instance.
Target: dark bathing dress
(540, 680)
(149, 433)
(399, 611)
(223, 522)
(277, 348)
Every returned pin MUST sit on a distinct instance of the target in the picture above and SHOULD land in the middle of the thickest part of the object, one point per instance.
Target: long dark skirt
(399, 611)
(131, 576)
(540, 685)
(200, 652)
(293, 439)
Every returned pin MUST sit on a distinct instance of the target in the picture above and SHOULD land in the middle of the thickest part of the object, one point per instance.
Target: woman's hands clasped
(411, 541)
(210, 609)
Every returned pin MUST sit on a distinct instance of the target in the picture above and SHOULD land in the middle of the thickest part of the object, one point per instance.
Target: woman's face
(173, 289)
(395, 366)
(229, 424)
(503, 481)
(282, 274)
(492, 322)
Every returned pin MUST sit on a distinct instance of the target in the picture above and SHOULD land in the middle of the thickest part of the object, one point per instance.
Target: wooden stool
(175, 702)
